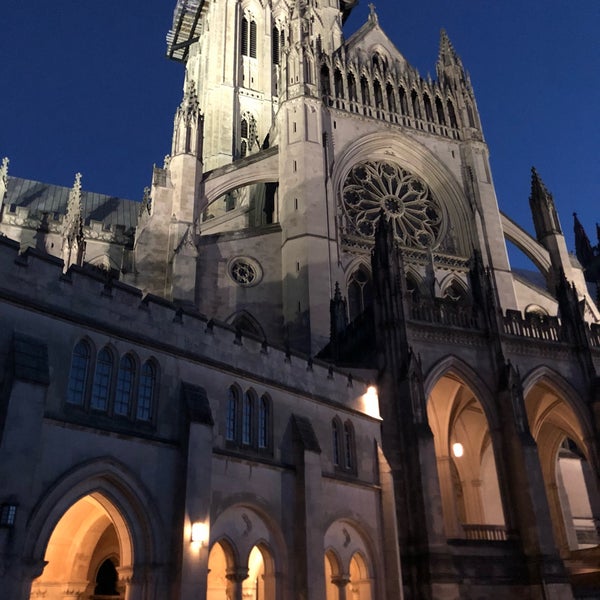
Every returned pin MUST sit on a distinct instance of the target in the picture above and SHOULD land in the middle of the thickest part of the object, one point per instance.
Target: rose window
(372, 187)
(245, 271)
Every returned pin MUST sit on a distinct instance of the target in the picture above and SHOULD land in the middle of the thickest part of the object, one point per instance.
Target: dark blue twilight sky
(85, 86)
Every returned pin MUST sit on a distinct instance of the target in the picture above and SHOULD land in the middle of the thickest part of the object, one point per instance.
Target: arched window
(348, 446)
(415, 104)
(80, 364)
(106, 580)
(360, 292)
(124, 389)
(403, 101)
(232, 408)
(244, 37)
(439, 107)
(263, 422)
(247, 410)
(336, 442)
(244, 128)
(102, 380)
(145, 399)
(452, 114)
(391, 98)
(275, 46)
(364, 91)
(339, 86)
(325, 85)
(428, 108)
(352, 88)
(377, 92)
(252, 39)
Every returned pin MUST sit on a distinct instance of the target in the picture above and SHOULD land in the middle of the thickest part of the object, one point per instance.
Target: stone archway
(471, 499)
(570, 477)
(89, 546)
(97, 511)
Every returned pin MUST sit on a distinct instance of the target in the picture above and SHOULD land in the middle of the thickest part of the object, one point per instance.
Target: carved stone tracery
(373, 188)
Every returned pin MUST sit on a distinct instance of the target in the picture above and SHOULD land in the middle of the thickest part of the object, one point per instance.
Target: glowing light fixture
(371, 401)
(199, 533)
(457, 449)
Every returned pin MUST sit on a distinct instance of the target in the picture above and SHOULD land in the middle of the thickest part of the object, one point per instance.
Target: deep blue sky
(85, 86)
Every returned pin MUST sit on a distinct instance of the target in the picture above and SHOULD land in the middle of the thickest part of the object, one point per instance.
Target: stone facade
(302, 366)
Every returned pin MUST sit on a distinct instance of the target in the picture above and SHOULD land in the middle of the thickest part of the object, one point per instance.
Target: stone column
(235, 577)
(341, 582)
(131, 583)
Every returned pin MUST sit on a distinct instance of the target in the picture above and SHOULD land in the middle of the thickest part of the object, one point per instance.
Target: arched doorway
(570, 480)
(466, 464)
(88, 549)
(220, 563)
(332, 575)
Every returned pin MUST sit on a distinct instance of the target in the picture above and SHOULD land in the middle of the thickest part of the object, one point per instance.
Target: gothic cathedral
(302, 367)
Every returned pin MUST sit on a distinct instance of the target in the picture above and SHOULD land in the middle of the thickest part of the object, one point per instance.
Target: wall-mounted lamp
(8, 515)
(371, 401)
(199, 534)
(458, 449)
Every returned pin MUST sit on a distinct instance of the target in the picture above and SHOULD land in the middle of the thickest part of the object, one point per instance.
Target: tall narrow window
(102, 379)
(428, 108)
(403, 101)
(439, 107)
(231, 423)
(247, 419)
(452, 114)
(415, 104)
(263, 422)
(325, 84)
(252, 39)
(124, 389)
(80, 364)
(391, 98)
(335, 441)
(276, 46)
(338, 83)
(360, 292)
(378, 94)
(470, 115)
(349, 445)
(364, 91)
(244, 37)
(146, 392)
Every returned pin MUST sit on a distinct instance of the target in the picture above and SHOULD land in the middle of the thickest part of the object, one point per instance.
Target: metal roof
(52, 199)
(186, 17)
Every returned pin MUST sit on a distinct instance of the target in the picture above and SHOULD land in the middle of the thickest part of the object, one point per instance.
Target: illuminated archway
(332, 574)
(360, 580)
(220, 563)
(465, 459)
(88, 548)
(571, 487)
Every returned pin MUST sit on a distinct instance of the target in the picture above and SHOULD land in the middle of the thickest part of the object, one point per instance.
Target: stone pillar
(235, 577)
(529, 510)
(451, 520)
(198, 491)
(341, 582)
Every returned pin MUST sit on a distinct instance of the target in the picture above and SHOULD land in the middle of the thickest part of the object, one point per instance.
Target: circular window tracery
(245, 271)
(375, 186)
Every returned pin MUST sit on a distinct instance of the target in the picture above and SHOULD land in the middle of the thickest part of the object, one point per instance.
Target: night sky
(85, 86)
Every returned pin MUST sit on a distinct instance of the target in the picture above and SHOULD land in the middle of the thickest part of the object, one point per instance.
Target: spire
(449, 67)
(545, 218)
(583, 248)
(188, 121)
(72, 230)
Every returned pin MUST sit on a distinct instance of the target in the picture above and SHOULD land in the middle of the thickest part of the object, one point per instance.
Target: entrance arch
(471, 499)
(89, 546)
(570, 477)
(99, 507)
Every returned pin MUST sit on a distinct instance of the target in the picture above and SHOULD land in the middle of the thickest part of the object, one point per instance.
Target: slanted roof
(47, 198)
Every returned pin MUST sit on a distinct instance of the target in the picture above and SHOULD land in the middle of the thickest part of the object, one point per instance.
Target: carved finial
(3, 178)
(146, 205)
(166, 161)
(72, 230)
(4, 169)
(372, 14)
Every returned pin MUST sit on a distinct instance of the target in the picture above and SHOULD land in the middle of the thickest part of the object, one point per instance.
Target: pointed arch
(125, 498)
(246, 323)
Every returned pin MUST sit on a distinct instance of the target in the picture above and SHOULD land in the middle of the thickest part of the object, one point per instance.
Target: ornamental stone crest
(371, 187)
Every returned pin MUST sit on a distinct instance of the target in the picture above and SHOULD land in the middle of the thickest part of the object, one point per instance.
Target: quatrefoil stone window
(416, 217)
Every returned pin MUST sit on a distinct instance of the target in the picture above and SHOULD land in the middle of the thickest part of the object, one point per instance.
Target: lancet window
(117, 388)
(248, 420)
(248, 33)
